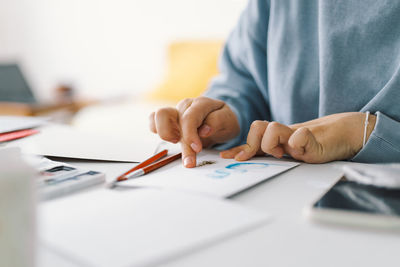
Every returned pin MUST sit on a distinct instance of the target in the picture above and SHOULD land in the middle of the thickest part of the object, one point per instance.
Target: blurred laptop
(13, 85)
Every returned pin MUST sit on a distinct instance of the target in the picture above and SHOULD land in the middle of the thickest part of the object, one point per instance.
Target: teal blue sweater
(295, 60)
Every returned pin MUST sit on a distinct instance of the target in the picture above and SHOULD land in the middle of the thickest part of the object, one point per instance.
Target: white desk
(290, 240)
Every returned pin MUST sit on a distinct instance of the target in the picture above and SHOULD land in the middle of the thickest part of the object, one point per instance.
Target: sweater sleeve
(384, 142)
(242, 83)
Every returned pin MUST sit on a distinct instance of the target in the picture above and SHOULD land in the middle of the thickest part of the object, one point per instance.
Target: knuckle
(273, 126)
(184, 104)
(257, 125)
(160, 112)
(200, 99)
(187, 101)
(166, 111)
(301, 134)
(304, 130)
(206, 100)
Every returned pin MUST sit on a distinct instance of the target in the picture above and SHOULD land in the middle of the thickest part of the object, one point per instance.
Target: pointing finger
(188, 156)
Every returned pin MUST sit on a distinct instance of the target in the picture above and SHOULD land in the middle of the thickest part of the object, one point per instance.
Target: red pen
(17, 134)
(148, 161)
(153, 166)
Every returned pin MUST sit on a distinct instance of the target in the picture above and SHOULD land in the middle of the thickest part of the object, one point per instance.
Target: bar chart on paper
(214, 175)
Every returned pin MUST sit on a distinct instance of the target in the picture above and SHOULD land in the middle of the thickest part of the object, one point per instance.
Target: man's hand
(334, 137)
(195, 123)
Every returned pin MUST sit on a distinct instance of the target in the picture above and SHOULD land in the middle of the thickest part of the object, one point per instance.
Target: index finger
(188, 156)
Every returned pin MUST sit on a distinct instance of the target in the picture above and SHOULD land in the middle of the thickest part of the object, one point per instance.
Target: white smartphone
(355, 204)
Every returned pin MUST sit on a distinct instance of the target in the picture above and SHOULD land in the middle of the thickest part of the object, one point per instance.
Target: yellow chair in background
(191, 65)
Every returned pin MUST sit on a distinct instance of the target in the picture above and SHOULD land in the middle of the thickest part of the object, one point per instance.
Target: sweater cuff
(383, 144)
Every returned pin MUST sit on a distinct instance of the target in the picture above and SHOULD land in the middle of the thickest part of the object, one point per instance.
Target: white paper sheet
(15, 123)
(138, 227)
(221, 178)
(65, 141)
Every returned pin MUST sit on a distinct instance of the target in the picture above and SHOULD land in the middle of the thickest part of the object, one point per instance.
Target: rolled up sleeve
(383, 144)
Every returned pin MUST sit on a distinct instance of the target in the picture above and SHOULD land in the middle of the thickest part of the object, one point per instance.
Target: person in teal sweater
(299, 78)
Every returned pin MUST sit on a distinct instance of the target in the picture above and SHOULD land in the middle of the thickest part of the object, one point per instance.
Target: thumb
(220, 125)
(304, 146)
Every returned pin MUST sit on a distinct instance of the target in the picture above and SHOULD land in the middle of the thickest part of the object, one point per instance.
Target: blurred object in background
(106, 48)
(17, 97)
(190, 67)
(13, 85)
(132, 57)
(17, 210)
(65, 93)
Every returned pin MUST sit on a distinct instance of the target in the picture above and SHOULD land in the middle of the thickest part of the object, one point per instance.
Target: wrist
(362, 131)
(370, 127)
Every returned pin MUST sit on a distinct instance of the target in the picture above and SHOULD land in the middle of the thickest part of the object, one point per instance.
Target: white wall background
(105, 47)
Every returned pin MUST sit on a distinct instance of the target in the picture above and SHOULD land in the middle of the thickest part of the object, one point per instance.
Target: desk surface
(290, 240)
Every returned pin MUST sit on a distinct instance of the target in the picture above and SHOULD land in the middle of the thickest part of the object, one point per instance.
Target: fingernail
(205, 130)
(195, 147)
(188, 161)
